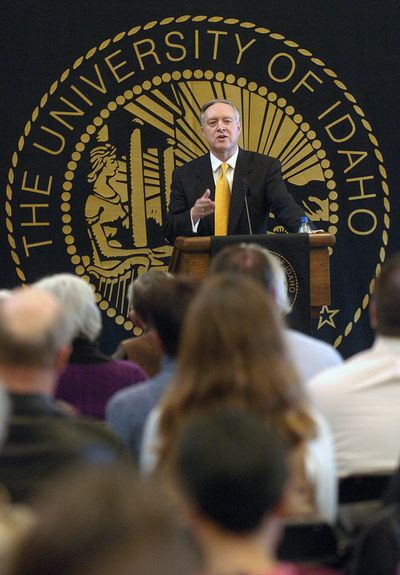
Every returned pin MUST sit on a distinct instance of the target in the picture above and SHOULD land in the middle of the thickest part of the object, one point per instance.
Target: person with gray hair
(252, 184)
(90, 377)
(42, 438)
(309, 355)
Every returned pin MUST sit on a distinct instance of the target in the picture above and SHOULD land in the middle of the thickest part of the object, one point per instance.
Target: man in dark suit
(255, 183)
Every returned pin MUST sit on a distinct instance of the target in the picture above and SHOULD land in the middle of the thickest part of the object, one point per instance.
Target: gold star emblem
(326, 316)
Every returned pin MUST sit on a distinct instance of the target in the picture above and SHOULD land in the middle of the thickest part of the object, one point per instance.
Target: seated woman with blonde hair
(232, 354)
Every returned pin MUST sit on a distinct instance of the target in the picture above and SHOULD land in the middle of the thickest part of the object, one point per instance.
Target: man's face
(221, 130)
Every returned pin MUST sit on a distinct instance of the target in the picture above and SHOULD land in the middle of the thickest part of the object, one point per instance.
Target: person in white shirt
(309, 355)
(361, 397)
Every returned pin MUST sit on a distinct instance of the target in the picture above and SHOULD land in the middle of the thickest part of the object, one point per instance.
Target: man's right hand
(202, 207)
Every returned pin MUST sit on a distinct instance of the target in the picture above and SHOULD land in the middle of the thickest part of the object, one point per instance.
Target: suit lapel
(205, 179)
(239, 190)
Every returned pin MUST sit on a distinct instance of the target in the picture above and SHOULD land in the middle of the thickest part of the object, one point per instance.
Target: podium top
(203, 243)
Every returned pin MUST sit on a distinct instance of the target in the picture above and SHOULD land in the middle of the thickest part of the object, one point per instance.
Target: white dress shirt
(216, 170)
(361, 400)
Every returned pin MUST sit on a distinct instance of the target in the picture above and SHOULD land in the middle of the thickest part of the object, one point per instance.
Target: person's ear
(135, 319)
(373, 320)
(62, 357)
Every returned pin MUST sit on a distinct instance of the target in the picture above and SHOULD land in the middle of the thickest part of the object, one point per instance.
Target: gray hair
(279, 283)
(218, 101)
(78, 300)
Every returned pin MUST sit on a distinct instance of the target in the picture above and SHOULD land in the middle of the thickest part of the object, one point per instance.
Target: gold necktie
(222, 203)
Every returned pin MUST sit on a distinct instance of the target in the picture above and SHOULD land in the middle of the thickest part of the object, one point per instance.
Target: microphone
(246, 193)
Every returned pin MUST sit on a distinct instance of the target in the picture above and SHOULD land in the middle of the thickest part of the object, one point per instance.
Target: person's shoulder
(335, 379)
(128, 368)
(313, 344)
(193, 165)
(256, 158)
(124, 398)
(77, 430)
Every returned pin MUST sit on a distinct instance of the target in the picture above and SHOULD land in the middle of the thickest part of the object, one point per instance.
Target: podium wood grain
(192, 256)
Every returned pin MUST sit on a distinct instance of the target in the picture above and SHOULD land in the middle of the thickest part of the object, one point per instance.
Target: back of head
(33, 328)
(145, 290)
(169, 309)
(232, 467)
(233, 329)
(101, 521)
(232, 353)
(255, 262)
(387, 298)
(78, 301)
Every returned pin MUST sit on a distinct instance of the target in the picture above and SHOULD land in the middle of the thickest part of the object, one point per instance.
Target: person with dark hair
(144, 350)
(233, 358)
(228, 190)
(308, 354)
(360, 398)
(41, 439)
(127, 410)
(230, 471)
(102, 522)
(232, 467)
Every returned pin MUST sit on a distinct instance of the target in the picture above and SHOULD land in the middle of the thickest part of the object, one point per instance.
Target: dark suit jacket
(42, 441)
(257, 179)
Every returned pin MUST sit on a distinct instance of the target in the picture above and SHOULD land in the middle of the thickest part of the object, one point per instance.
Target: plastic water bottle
(305, 227)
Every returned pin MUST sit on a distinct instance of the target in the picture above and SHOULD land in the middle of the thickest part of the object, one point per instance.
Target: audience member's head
(232, 353)
(169, 309)
(385, 313)
(256, 262)
(103, 521)
(34, 330)
(231, 468)
(78, 300)
(143, 292)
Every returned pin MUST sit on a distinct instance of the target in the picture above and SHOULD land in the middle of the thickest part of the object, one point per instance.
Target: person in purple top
(90, 377)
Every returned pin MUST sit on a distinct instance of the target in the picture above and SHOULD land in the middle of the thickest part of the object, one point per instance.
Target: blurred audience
(14, 519)
(232, 353)
(127, 410)
(102, 522)
(4, 294)
(231, 472)
(90, 377)
(377, 549)
(361, 398)
(308, 354)
(145, 350)
(35, 336)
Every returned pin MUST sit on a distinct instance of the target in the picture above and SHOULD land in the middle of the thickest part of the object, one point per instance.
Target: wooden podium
(192, 256)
